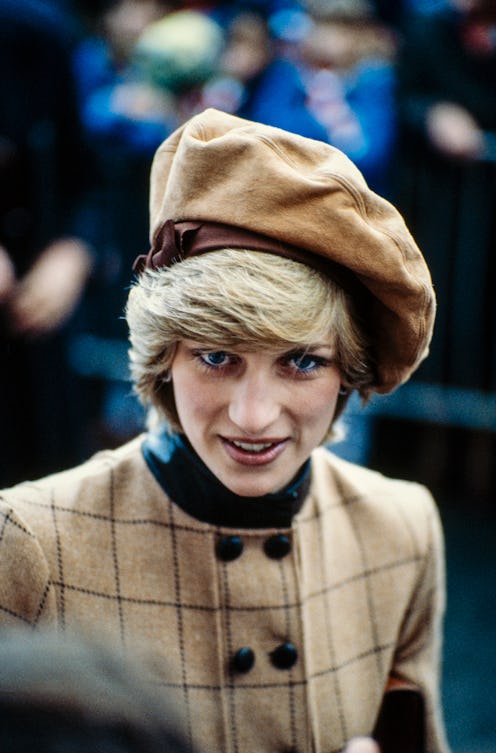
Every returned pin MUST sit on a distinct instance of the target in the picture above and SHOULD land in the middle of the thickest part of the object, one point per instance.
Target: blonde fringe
(236, 298)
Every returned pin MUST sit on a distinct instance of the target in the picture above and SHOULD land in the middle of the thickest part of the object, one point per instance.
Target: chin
(250, 487)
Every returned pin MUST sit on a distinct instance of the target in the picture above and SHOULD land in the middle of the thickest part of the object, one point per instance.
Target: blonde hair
(235, 298)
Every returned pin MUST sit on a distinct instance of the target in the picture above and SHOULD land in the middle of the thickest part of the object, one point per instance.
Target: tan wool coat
(359, 596)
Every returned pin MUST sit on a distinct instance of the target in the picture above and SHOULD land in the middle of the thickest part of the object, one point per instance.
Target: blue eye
(216, 358)
(305, 362)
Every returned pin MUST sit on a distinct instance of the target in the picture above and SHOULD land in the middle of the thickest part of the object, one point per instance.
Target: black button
(229, 548)
(243, 660)
(277, 546)
(284, 656)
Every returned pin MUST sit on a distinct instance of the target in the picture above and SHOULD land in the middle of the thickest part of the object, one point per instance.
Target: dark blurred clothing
(44, 185)
(43, 165)
(450, 204)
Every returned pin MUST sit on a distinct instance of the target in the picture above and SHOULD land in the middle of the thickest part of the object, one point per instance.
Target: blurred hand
(453, 131)
(7, 275)
(362, 745)
(47, 295)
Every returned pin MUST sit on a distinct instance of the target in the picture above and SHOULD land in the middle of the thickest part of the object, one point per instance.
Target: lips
(254, 452)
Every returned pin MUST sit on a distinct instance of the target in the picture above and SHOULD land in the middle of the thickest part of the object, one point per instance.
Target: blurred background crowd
(406, 88)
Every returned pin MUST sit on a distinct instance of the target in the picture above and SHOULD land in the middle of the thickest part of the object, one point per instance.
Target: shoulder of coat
(86, 486)
(366, 490)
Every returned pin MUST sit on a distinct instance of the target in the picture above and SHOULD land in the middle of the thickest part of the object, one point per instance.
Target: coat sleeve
(26, 593)
(418, 656)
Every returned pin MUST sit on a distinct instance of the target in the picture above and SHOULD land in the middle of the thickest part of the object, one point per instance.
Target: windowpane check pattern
(285, 646)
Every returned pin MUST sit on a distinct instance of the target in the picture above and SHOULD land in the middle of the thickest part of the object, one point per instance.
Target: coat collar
(192, 486)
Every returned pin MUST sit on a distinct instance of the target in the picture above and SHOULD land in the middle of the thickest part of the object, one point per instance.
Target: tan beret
(218, 168)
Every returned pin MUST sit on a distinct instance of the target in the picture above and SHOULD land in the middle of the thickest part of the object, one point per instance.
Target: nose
(254, 404)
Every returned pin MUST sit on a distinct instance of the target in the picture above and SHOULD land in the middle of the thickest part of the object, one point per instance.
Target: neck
(192, 486)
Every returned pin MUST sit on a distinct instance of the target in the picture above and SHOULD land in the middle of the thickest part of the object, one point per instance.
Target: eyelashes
(305, 363)
(298, 363)
(214, 359)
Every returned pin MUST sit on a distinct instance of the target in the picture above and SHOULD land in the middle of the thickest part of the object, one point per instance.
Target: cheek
(194, 402)
(317, 407)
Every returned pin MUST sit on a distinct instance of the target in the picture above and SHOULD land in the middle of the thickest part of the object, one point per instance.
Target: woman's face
(254, 418)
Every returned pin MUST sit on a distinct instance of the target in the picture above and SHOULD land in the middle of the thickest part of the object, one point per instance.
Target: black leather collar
(192, 486)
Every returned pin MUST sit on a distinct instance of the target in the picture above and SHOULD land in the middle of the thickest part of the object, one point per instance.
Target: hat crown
(305, 193)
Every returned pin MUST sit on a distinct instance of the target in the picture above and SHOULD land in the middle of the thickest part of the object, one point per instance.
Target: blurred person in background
(177, 55)
(348, 57)
(117, 105)
(139, 72)
(325, 72)
(45, 259)
(291, 600)
(257, 83)
(445, 180)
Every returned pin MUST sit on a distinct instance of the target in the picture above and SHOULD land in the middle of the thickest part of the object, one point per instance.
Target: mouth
(254, 452)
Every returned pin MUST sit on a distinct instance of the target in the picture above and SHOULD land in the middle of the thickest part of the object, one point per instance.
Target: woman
(281, 590)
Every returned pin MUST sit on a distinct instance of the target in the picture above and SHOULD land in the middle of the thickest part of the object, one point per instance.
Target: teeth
(252, 447)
